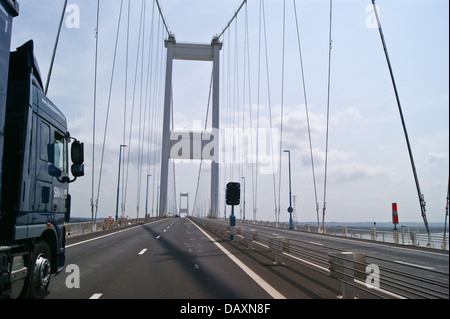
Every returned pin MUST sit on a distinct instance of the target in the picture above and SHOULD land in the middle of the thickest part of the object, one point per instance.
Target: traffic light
(233, 193)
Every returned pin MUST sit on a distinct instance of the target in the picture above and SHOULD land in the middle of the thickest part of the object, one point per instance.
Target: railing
(404, 236)
(74, 229)
(357, 272)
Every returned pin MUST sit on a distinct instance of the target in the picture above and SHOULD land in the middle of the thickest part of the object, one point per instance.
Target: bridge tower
(193, 52)
(184, 210)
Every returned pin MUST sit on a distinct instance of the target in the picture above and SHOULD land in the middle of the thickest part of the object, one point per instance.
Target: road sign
(394, 214)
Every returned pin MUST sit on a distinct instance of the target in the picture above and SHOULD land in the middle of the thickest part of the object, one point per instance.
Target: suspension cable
(231, 20)
(419, 193)
(330, 47)
(94, 112)
(201, 160)
(282, 108)
(125, 105)
(108, 109)
(133, 100)
(263, 26)
(162, 17)
(307, 112)
(247, 69)
(56, 46)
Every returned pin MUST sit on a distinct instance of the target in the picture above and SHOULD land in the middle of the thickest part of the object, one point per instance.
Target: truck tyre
(40, 271)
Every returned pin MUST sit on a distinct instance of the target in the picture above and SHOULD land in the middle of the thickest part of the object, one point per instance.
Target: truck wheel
(40, 271)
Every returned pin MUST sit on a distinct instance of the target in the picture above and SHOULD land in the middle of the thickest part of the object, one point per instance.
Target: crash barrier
(74, 229)
(405, 235)
(348, 267)
(357, 272)
(279, 245)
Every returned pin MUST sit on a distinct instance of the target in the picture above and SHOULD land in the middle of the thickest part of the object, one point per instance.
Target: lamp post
(244, 198)
(290, 210)
(146, 198)
(118, 182)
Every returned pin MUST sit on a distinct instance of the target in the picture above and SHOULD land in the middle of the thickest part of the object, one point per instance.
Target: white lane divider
(96, 296)
(143, 251)
(261, 282)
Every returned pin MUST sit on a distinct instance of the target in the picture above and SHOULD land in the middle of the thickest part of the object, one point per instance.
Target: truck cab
(35, 200)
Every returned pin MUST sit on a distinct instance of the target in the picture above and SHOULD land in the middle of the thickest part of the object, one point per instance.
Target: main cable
(330, 47)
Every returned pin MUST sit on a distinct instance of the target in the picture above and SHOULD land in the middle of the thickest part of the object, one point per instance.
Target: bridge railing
(357, 272)
(74, 229)
(404, 236)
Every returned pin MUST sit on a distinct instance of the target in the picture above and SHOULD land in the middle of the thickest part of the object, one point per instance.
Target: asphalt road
(169, 258)
(175, 259)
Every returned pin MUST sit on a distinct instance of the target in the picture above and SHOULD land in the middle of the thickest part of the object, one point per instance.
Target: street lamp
(118, 182)
(244, 198)
(290, 209)
(146, 198)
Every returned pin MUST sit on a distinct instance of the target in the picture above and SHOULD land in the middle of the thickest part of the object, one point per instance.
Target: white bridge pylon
(193, 52)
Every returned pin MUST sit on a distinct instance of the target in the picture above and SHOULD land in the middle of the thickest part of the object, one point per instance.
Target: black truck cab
(35, 201)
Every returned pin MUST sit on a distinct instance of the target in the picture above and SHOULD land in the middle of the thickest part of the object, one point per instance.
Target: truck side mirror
(77, 170)
(77, 154)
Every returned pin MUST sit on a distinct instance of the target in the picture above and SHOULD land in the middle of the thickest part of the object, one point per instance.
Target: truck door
(42, 200)
(50, 193)
(59, 191)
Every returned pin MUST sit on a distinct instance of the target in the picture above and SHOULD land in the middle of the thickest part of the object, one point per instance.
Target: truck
(34, 171)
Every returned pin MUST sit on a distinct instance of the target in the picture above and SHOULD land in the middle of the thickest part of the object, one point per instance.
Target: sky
(368, 163)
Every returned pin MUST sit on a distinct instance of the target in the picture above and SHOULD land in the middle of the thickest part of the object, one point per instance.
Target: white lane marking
(314, 243)
(143, 251)
(414, 265)
(96, 296)
(261, 282)
(111, 234)
(157, 237)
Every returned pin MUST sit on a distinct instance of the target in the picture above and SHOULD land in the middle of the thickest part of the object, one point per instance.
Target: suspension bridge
(245, 87)
(261, 87)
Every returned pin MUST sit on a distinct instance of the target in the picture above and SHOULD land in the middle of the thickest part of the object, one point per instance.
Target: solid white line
(143, 251)
(307, 262)
(414, 265)
(261, 282)
(111, 234)
(314, 243)
(96, 296)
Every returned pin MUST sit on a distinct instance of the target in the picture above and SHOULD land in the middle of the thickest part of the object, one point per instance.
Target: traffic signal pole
(233, 195)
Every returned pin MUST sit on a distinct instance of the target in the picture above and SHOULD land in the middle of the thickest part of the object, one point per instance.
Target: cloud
(436, 158)
(354, 172)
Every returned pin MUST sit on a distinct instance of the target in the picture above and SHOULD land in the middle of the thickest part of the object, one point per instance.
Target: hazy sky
(368, 163)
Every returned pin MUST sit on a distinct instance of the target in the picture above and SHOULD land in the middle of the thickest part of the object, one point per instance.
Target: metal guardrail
(405, 236)
(376, 276)
(74, 229)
